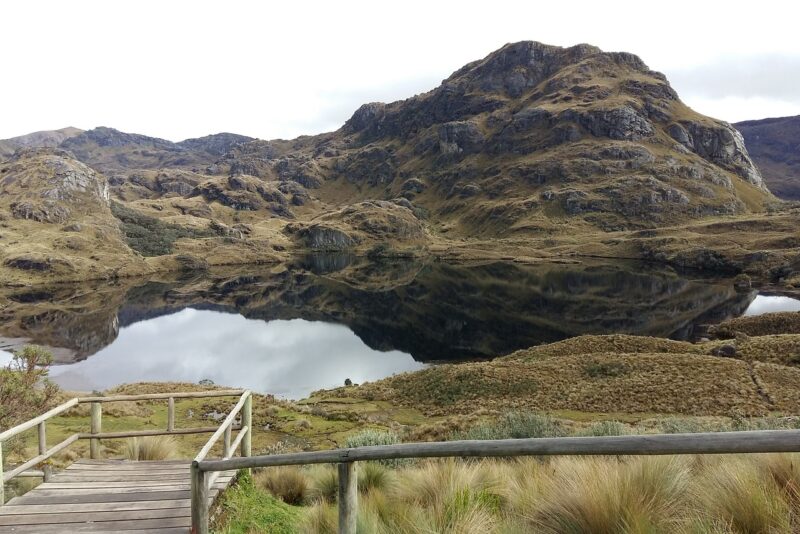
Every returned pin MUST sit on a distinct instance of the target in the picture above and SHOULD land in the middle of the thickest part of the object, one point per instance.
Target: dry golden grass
(151, 448)
(286, 483)
(630, 495)
(759, 325)
(629, 383)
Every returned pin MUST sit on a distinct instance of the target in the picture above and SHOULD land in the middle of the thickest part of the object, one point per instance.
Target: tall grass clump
(151, 448)
(323, 483)
(740, 493)
(599, 495)
(287, 483)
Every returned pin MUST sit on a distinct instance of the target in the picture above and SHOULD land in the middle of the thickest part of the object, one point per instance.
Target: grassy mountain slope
(774, 145)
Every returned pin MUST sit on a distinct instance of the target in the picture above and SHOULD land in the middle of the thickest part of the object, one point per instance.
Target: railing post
(43, 450)
(199, 500)
(171, 414)
(94, 443)
(2, 484)
(226, 451)
(348, 498)
(247, 420)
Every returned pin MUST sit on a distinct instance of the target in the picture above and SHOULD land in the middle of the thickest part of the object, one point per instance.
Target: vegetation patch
(150, 236)
(606, 370)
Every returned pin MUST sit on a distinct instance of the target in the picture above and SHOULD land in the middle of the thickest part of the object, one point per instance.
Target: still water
(291, 329)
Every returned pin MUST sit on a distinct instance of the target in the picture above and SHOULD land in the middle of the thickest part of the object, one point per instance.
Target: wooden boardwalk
(109, 496)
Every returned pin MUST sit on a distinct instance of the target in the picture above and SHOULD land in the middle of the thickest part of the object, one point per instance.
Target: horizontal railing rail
(762, 441)
(96, 434)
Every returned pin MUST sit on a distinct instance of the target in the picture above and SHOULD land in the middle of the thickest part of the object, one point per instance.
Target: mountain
(524, 140)
(47, 138)
(774, 145)
(534, 150)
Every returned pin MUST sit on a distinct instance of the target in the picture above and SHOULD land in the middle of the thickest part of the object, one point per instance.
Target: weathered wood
(42, 437)
(36, 420)
(105, 525)
(41, 458)
(199, 500)
(31, 473)
(103, 484)
(240, 437)
(162, 396)
(226, 449)
(93, 516)
(171, 414)
(27, 509)
(97, 421)
(348, 498)
(225, 423)
(2, 478)
(247, 423)
(140, 433)
(646, 444)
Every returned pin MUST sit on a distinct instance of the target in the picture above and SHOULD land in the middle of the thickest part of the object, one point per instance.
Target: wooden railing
(703, 443)
(201, 481)
(96, 434)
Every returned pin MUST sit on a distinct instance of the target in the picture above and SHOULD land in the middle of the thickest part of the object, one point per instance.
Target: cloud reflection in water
(287, 358)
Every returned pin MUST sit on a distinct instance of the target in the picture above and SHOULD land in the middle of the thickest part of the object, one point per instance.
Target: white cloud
(277, 69)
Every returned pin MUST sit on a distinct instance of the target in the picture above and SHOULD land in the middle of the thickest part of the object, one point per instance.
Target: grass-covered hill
(534, 150)
(774, 145)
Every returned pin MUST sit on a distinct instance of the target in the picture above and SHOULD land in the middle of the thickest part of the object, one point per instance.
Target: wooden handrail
(162, 396)
(96, 434)
(200, 482)
(761, 441)
(228, 421)
(22, 427)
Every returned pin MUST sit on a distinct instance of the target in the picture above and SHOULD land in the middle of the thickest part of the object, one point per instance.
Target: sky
(178, 69)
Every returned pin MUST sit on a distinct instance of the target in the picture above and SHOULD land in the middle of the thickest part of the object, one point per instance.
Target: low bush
(151, 236)
(372, 437)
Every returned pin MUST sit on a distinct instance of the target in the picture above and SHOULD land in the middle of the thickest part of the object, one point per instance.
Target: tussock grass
(729, 494)
(151, 448)
(286, 483)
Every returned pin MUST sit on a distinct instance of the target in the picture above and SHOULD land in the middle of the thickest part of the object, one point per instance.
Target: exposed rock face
(774, 145)
(216, 145)
(45, 179)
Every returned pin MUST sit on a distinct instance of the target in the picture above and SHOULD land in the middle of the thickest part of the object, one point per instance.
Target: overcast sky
(178, 69)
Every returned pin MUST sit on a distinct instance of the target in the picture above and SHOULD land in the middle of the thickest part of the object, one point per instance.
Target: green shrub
(25, 391)
(515, 425)
(372, 437)
(150, 236)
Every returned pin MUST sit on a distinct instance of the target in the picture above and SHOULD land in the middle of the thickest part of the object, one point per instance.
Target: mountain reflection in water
(288, 326)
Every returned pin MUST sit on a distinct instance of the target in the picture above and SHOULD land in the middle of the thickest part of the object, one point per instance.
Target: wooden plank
(92, 517)
(142, 433)
(103, 484)
(101, 475)
(89, 507)
(94, 489)
(89, 461)
(120, 478)
(66, 498)
(162, 396)
(760, 441)
(105, 525)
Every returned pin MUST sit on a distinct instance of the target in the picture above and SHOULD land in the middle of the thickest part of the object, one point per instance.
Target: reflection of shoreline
(436, 311)
(772, 303)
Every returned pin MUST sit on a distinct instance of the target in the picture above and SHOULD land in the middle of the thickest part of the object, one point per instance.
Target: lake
(291, 329)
